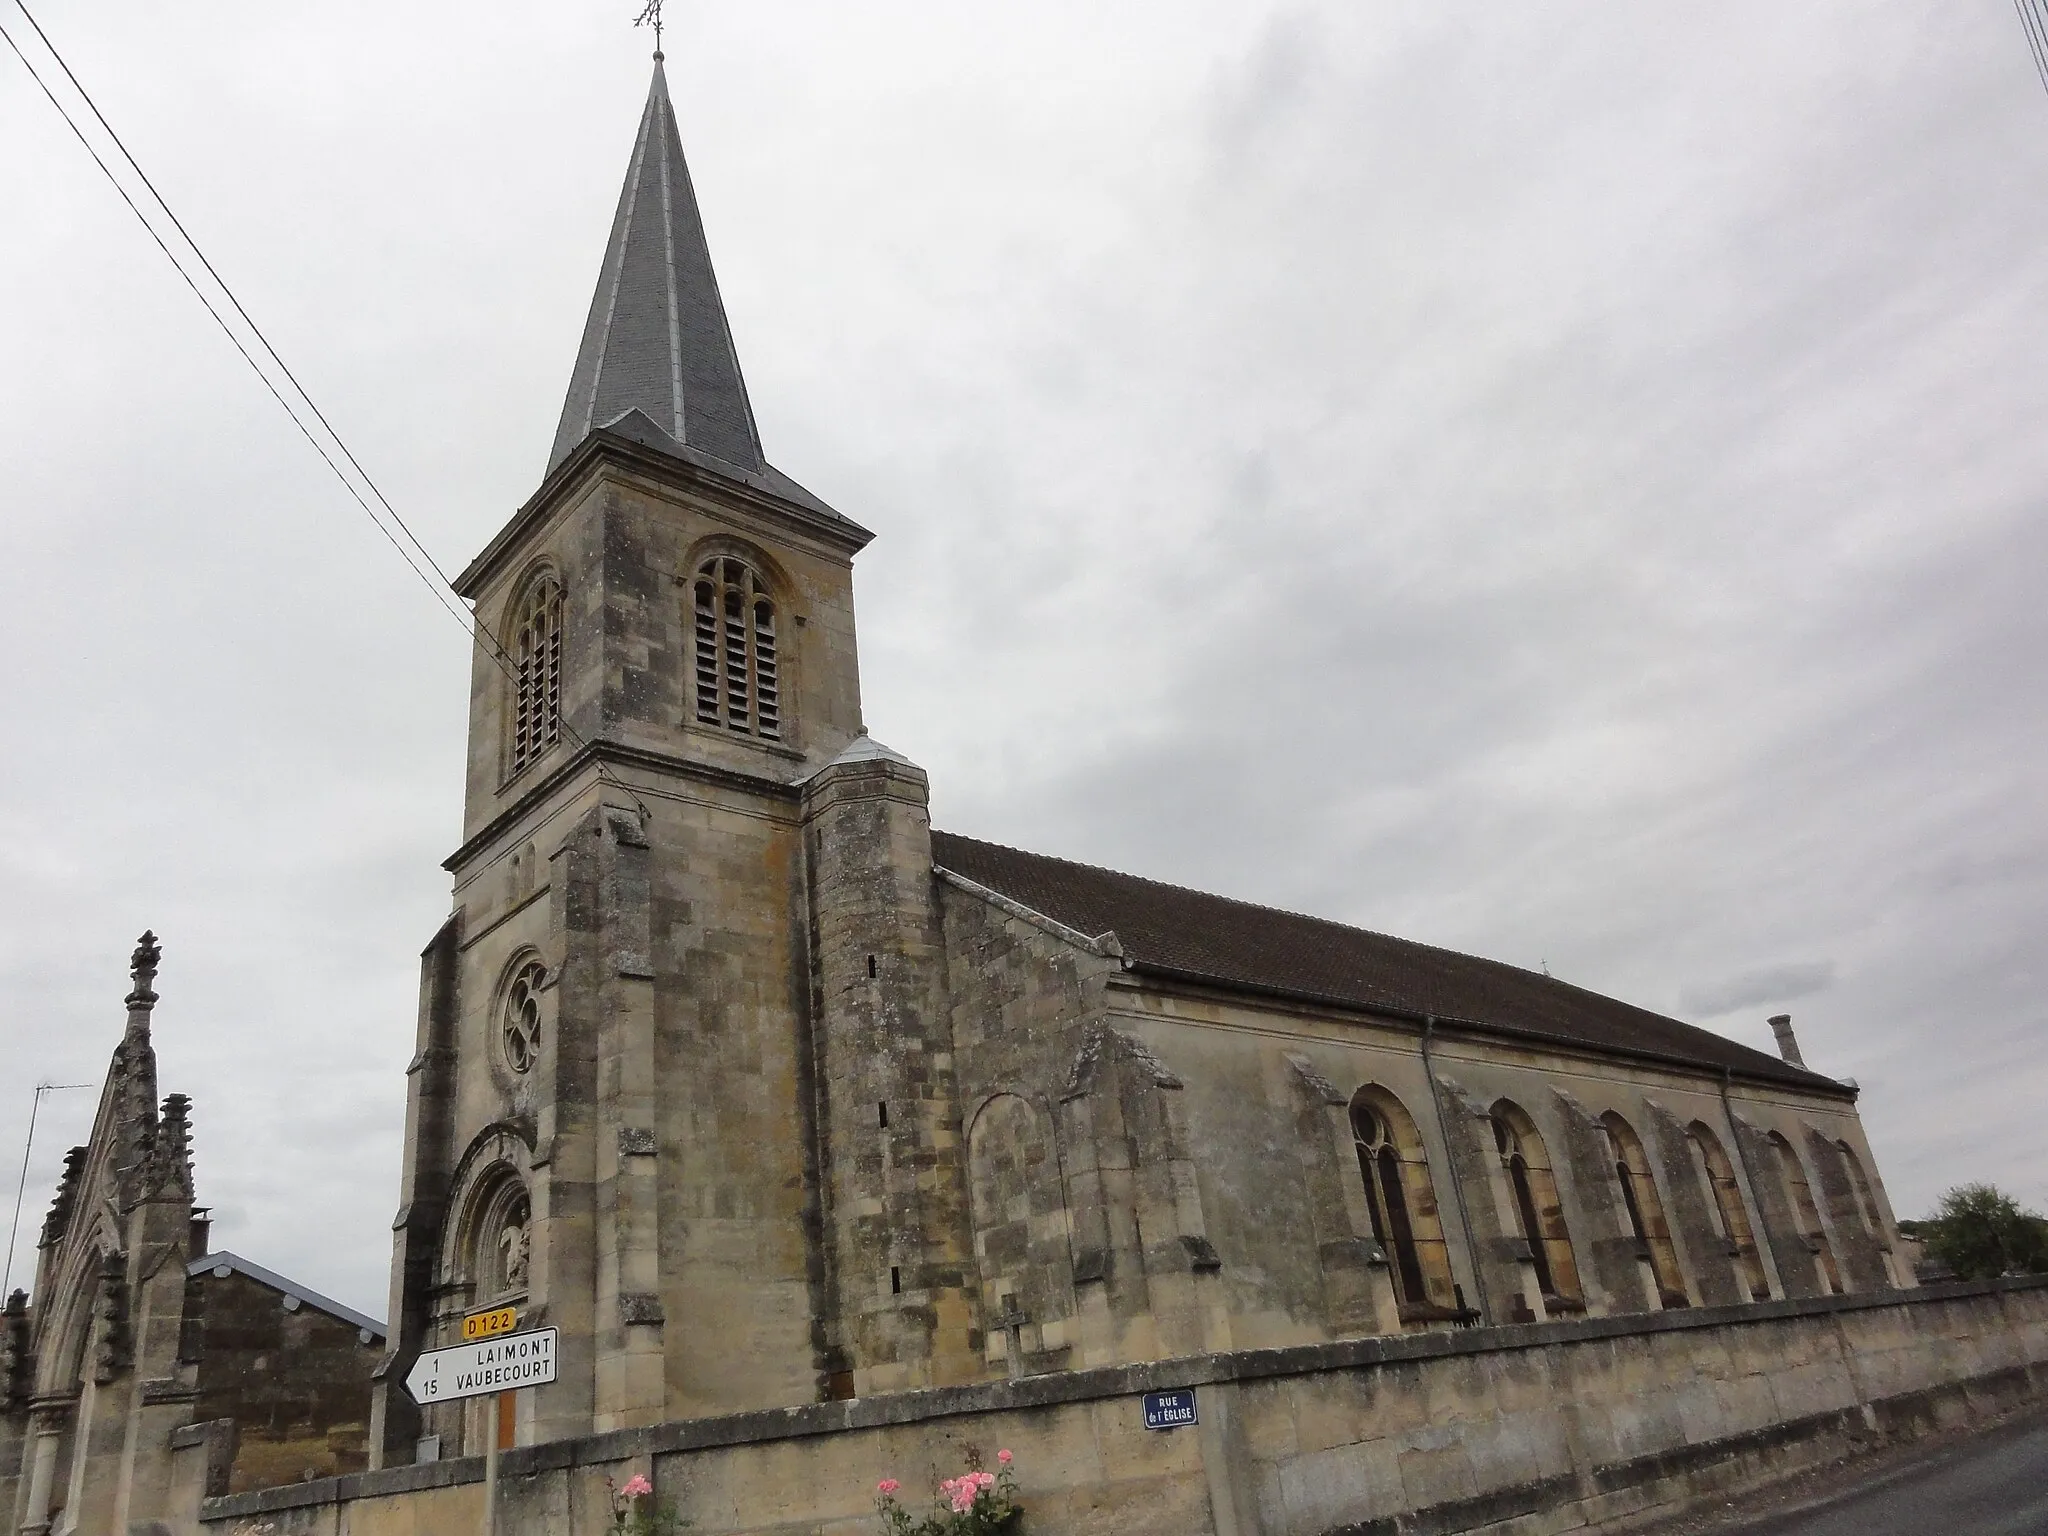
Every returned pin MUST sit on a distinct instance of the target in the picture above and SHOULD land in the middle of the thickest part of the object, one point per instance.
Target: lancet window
(1538, 1210)
(537, 666)
(1799, 1195)
(1732, 1215)
(1645, 1210)
(1866, 1199)
(739, 660)
(1402, 1200)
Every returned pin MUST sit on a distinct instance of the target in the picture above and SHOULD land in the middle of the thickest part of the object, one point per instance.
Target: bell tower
(611, 1113)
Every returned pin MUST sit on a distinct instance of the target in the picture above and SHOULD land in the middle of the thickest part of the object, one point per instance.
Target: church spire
(657, 339)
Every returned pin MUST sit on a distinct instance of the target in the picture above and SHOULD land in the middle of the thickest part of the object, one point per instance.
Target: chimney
(1788, 1043)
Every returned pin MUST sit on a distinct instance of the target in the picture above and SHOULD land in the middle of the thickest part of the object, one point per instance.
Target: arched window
(1402, 1199)
(1735, 1229)
(1799, 1195)
(1866, 1198)
(1645, 1209)
(1538, 1211)
(1867, 1210)
(739, 677)
(537, 661)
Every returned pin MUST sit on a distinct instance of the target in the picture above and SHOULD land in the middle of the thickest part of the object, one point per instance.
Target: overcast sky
(1562, 481)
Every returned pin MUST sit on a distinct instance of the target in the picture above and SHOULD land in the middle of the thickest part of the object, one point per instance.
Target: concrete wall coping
(1067, 1387)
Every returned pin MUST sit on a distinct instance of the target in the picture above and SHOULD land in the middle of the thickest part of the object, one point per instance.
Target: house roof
(223, 1264)
(1192, 936)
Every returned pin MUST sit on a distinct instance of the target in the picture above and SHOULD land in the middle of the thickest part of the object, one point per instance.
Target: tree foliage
(1980, 1233)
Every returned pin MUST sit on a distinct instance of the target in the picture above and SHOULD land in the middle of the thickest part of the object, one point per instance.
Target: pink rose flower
(887, 1485)
(638, 1488)
(1004, 1457)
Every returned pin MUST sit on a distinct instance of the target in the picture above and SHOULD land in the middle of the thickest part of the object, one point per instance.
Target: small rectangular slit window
(895, 1281)
(882, 1115)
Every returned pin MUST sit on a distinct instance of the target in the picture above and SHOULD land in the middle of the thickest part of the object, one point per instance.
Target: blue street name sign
(1170, 1410)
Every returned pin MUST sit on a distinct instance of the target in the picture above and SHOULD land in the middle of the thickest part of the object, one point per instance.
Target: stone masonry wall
(1542, 1428)
(296, 1383)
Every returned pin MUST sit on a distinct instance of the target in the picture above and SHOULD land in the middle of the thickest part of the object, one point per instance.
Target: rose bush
(636, 1512)
(976, 1503)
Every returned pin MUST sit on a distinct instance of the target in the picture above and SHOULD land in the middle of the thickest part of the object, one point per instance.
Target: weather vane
(651, 17)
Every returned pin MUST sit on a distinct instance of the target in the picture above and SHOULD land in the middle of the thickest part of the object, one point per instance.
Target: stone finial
(58, 1223)
(143, 969)
(1788, 1043)
(171, 1156)
(17, 1360)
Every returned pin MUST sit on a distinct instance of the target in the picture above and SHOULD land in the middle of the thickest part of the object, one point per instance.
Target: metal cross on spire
(651, 17)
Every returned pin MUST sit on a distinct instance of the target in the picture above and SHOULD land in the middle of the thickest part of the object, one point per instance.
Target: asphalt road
(1993, 1484)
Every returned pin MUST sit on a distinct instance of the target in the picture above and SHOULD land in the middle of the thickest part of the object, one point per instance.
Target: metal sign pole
(495, 1365)
(491, 1466)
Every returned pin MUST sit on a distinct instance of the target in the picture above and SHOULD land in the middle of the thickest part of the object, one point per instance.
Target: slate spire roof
(657, 339)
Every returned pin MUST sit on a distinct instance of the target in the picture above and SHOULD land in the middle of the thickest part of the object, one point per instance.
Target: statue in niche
(515, 1244)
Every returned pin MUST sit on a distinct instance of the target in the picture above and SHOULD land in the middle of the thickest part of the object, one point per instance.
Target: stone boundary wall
(1521, 1431)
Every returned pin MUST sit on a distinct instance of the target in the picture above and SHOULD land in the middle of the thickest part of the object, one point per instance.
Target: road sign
(1170, 1410)
(489, 1324)
(477, 1370)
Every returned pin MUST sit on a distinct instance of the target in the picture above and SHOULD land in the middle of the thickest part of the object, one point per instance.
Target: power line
(473, 624)
(2034, 17)
(255, 329)
(226, 330)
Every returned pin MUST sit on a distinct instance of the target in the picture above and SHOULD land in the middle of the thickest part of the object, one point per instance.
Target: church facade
(766, 1094)
(143, 1342)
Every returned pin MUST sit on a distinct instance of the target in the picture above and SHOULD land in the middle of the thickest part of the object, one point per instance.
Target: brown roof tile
(1171, 931)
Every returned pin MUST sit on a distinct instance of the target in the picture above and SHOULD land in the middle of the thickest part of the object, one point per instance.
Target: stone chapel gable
(135, 1331)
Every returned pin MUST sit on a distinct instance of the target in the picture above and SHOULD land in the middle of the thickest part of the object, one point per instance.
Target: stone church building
(765, 1093)
(769, 1096)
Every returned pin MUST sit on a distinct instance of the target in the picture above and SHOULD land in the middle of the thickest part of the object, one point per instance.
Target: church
(823, 1137)
(764, 1092)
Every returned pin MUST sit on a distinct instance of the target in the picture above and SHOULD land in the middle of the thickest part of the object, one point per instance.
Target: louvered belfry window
(537, 650)
(739, 676)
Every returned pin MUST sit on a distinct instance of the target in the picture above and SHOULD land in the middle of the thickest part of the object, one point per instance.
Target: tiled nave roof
(1176, 932)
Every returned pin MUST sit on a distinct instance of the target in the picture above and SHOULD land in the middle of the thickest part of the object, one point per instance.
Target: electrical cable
(2034, 18)
(218, 320)
(473, 624)
(178, 224)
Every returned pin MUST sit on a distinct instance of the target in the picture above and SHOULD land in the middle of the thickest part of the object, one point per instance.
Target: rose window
(521, 1023)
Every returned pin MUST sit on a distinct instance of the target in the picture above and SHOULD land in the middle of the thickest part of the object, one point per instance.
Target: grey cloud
(1752, 989)
(1563, 483)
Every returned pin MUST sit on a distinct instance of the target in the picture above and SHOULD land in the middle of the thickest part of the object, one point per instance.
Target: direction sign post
(503, 1364)
(495, 1364)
